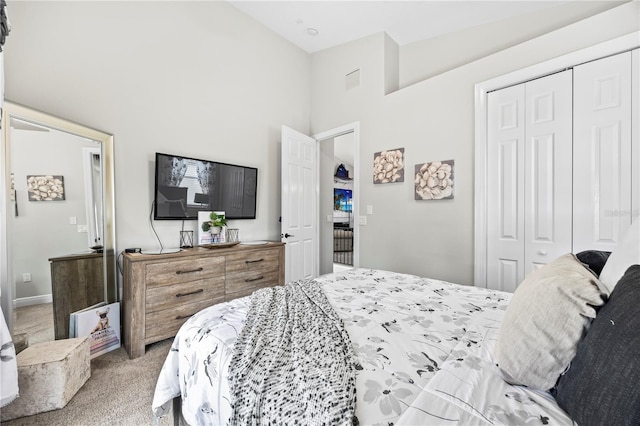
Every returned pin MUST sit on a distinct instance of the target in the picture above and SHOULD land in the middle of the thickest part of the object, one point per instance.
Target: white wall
(427, 58)
(199, 79)
(202, 79)
(432, 120)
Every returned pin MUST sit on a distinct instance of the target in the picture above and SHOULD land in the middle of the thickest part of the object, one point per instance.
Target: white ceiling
(338, 22)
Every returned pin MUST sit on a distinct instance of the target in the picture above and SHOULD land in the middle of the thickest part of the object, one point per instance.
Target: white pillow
(544, 321)
(625, 254)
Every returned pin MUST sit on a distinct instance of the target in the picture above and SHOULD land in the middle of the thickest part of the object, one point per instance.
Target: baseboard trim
(33, 300)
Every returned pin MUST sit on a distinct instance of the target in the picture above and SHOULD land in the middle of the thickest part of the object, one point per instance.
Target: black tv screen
(184, 186)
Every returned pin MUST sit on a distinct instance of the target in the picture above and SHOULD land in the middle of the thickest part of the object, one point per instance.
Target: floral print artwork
(388, 166)
(434, 181)
(45, 188)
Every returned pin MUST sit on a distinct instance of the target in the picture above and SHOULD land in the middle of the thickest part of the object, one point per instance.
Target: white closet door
(548, 177)
(529, 178)
(602, 152)
(505, 195)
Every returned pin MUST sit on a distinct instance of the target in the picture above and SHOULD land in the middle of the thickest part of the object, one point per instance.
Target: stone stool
(49, 375)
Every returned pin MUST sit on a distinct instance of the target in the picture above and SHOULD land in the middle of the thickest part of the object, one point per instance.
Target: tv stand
(161, 291)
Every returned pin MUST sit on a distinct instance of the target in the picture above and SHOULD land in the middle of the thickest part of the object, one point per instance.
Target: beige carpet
(119, 392)
(36, 321)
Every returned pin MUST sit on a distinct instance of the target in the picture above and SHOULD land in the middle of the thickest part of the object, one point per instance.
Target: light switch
(83, 228)
(26, 277)
(369, 209)
(329, 218)
(73, 220)
(363, 220)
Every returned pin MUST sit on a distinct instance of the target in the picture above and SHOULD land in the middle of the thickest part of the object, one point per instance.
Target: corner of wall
(391, 65)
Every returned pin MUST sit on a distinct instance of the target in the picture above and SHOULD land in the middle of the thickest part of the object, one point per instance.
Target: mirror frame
(14, 110)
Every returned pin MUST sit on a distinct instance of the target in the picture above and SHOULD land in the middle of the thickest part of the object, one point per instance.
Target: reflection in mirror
(60, 235)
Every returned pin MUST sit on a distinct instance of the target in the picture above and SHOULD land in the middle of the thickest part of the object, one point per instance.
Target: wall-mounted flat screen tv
(342, 200)
(184, 186)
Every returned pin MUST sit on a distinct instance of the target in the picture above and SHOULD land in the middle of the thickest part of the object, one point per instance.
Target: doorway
(338, 200)
(307, 174)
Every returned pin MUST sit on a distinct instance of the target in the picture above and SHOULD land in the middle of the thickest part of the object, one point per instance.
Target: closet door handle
(248, 280)
(200, 290)
(542, 252)
(189, 271)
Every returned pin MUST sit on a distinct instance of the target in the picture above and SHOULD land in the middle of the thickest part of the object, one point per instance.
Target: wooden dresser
(77, 282)
(162, 291)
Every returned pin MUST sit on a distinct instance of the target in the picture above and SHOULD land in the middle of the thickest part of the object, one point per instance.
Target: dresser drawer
(160, 292)
(168, 296)
(177, 271)
(244, 283)
(265, 260)
(163, 324)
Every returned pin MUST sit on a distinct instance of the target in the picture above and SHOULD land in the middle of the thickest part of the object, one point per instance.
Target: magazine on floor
(101, 323)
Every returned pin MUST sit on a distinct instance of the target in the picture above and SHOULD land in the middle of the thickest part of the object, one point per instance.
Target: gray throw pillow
(602, 385)
(594, 259)
(545, 320)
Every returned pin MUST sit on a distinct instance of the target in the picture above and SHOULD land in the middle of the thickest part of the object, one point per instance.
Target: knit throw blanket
(293, 361)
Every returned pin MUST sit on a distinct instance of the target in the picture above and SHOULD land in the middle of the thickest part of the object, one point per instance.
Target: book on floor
(101, 323)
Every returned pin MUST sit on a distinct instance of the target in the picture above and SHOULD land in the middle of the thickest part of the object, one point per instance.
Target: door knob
(542, 252)
(288, 235)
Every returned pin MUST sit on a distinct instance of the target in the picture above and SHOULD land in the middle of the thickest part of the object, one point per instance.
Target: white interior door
(505, 182)
(548, 177)
(299, 209)
(602, 152)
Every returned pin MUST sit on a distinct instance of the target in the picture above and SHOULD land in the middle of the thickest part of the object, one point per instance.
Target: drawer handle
(248, 280)
(254, 261)
(200, 290)
(179, 317)
(189, 271)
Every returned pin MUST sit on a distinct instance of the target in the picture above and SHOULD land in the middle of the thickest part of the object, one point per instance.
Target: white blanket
(405, 331)
(8, 365)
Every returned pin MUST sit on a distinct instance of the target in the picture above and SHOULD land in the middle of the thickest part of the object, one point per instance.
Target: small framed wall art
(388, 166)
(45, 187)
(434, 180)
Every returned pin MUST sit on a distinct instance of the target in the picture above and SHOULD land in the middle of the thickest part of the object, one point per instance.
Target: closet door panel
(548, 179)
(602, 153)
(505, 199)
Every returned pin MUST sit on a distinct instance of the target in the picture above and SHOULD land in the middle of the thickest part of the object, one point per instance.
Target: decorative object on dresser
(162, 291)
(214, 227)
(186, 239)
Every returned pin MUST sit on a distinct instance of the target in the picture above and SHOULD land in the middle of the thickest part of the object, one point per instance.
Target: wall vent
(352, 79)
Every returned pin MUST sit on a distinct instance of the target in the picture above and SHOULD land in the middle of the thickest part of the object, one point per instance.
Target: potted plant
(214, 226)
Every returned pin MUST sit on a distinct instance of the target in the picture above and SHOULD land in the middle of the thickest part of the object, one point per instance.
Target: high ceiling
(317, 25)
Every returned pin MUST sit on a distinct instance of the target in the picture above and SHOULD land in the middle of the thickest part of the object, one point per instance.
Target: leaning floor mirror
(58, 225)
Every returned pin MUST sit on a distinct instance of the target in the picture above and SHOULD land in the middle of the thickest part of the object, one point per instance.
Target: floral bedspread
(423, 349)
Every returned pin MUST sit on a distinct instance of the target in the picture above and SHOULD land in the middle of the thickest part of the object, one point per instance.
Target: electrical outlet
(363, 220)
(73, 220)
(26, 277)
(83, 228)
(369, 209)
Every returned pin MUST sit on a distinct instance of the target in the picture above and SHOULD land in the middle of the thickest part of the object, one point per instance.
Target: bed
(423, 351)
